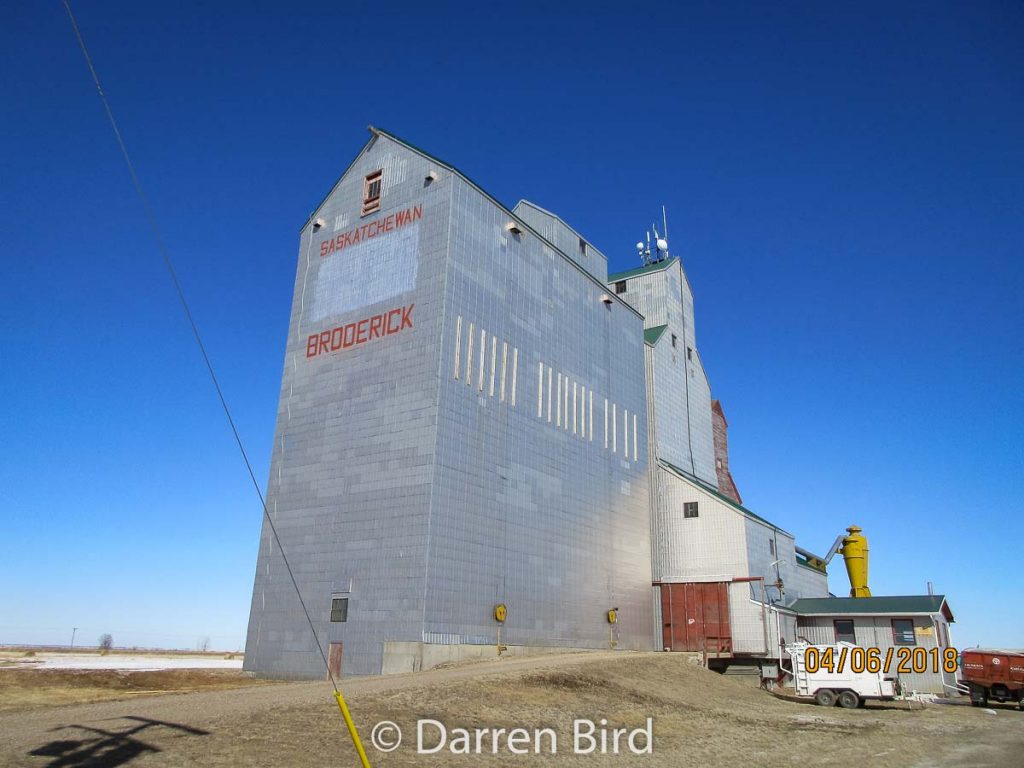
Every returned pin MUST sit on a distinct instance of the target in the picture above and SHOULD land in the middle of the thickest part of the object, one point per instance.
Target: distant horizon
(76, 647)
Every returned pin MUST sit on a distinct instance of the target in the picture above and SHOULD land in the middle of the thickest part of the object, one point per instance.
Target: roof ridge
(377, 132)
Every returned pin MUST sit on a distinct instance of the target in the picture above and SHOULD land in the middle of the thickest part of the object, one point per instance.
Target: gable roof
(655, 267)
(378, 132)
(701, 485)
(864, 606)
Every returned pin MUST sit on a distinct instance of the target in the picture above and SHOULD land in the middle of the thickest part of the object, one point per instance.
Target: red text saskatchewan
(359, 332)
(370, 229)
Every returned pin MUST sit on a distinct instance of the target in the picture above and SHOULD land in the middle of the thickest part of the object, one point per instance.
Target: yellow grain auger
(854, 549)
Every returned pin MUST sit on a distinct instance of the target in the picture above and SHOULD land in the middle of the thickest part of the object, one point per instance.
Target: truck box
(993, 674)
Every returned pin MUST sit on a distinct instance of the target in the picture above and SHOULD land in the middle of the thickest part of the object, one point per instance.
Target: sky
(843, 181)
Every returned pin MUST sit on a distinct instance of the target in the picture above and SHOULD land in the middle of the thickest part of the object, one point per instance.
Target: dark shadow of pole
(105, 749)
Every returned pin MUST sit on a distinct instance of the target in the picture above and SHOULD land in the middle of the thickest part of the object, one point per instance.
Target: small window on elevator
(620, 286)
(339, 609)
(371, 192)
(690, 509)
(583, 247)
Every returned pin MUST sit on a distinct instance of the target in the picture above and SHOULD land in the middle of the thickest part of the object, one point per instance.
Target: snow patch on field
(141, 662)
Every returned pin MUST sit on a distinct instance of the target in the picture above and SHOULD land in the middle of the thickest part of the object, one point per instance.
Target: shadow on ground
(106, 748)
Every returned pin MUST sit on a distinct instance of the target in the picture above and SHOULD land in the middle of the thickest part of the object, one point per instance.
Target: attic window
(583, 247)
(690, 509)
(620, 286)
(371, 192)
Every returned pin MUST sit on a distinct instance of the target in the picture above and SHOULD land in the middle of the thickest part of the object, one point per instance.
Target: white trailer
(833, 679)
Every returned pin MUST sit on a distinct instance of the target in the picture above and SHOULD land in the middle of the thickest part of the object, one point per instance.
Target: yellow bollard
(351, 728)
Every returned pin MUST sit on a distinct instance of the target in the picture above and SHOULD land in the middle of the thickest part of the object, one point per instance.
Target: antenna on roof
(660, 243)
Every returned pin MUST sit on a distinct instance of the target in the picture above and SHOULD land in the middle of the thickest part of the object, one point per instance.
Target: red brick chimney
(721, 428)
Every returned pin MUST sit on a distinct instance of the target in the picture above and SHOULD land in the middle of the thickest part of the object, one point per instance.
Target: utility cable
(168, 263)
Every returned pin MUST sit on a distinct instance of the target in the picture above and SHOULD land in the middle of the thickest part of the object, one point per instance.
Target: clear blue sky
(845, 183)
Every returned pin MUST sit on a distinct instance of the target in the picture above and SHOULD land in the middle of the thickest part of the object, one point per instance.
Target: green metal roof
(894, 604)
(720, 496)
(651, 335)
(659, 265)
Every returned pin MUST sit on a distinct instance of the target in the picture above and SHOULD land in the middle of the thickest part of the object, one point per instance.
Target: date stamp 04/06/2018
(900, 661)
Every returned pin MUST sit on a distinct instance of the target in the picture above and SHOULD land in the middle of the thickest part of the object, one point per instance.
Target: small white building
(914, 627)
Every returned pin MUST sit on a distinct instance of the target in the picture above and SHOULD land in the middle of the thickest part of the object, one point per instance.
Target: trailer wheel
(825, 697)
(849, 700)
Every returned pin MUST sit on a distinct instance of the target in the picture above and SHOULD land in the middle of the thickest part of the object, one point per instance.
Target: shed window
(620, 286)
(690, 509)
(903, 632)
(844, 631)
(371, 192)
(339, 609)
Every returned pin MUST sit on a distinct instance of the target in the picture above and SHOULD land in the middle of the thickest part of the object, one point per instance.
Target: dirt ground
(699, 719)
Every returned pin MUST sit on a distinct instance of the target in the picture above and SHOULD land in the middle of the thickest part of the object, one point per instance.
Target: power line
(165, 253)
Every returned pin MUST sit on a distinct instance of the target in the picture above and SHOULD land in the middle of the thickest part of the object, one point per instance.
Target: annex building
(473, 414)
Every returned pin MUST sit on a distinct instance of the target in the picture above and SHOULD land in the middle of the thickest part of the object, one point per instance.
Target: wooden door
(334, 660)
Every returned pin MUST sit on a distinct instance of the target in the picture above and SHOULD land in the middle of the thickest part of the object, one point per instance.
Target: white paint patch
(364, 274)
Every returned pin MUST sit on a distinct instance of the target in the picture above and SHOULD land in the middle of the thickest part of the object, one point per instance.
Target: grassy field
(23, 689)
(699, 718)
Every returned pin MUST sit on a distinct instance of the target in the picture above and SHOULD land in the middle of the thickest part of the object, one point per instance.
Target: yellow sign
(613, 616)
(500, 612)
(925, 631)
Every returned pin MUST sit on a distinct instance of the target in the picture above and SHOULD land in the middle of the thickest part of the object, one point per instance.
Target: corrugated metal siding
(538, 514)
(797, 581)
(351, 475)
(748, 620)
(681, 393)
(432, 500)
(564, 237)
(707, 545)
(805, 582)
